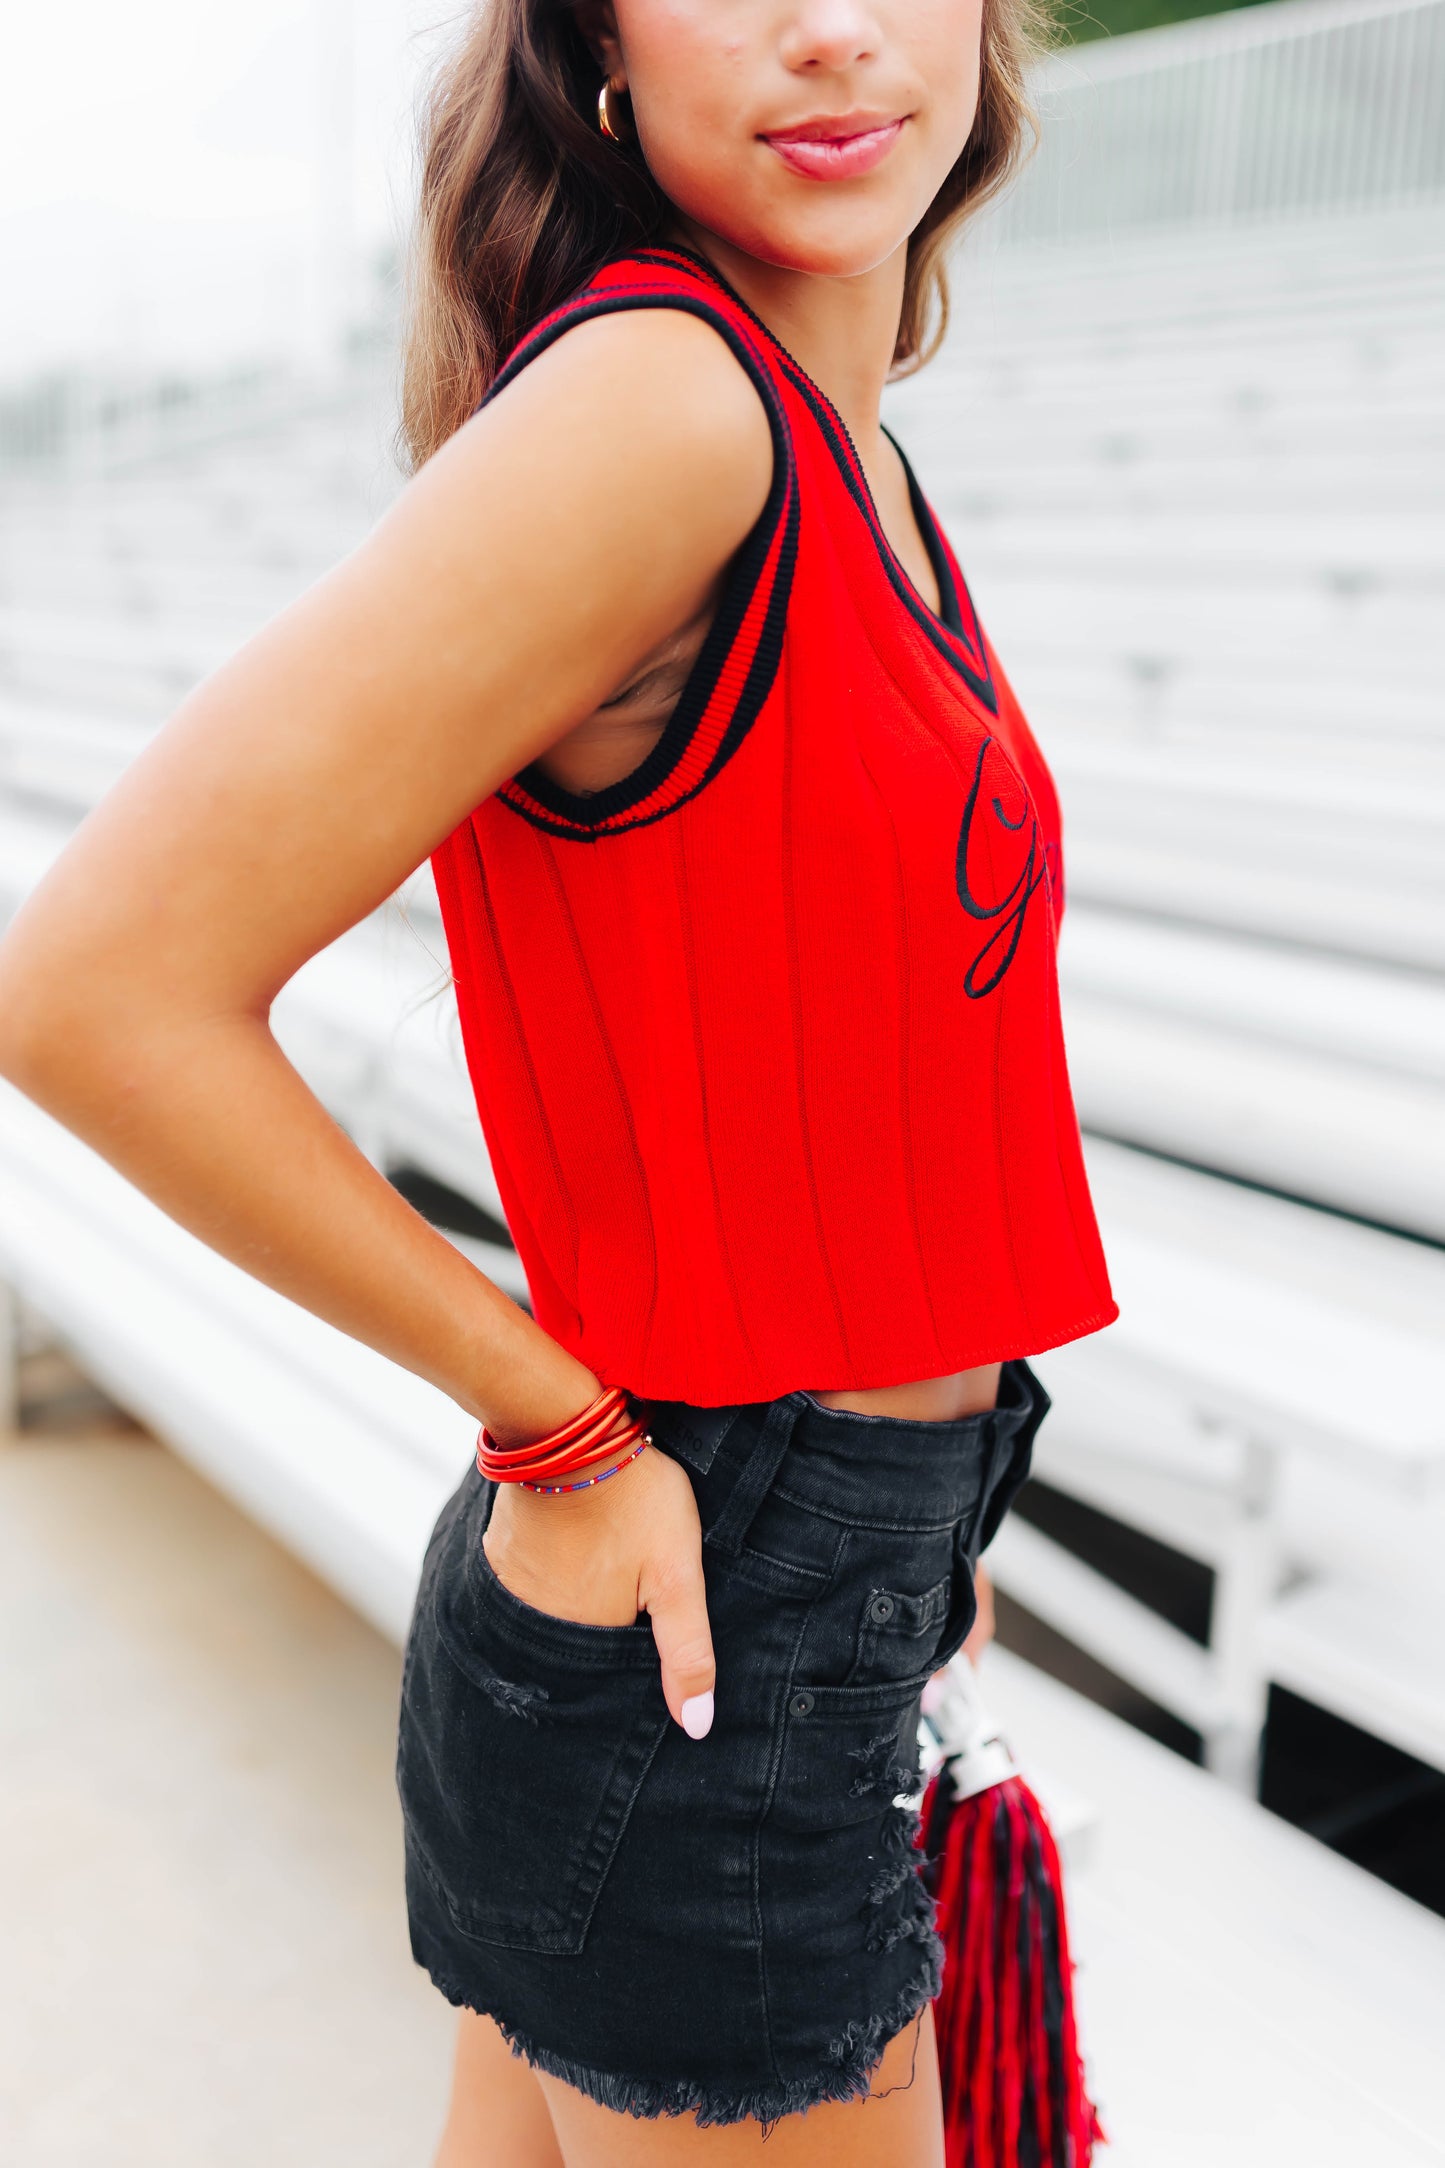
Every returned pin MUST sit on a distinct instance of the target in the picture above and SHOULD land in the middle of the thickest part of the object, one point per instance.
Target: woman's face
(813, 134)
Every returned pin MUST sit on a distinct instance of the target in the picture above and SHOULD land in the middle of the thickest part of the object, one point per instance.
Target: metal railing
(1294, 107)
(87, 418)
(58, 415)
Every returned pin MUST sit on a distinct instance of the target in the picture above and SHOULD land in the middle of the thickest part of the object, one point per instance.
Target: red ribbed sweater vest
(765, 1037)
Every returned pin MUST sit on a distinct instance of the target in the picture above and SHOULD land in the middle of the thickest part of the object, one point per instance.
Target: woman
(749, 870)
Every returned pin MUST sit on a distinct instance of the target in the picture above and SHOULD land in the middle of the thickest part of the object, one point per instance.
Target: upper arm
(573, 523)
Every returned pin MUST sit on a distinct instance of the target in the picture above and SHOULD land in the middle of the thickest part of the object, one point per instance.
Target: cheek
(943, 41)
(690, 91)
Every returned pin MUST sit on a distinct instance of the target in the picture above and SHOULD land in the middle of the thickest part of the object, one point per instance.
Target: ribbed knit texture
(770, 1068)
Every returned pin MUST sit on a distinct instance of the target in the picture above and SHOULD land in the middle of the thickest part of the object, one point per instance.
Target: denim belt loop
(1000, 1435)
(1011, 1442)
(755, 1478)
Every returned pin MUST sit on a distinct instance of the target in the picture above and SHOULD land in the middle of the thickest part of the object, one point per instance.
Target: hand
(602, 1555)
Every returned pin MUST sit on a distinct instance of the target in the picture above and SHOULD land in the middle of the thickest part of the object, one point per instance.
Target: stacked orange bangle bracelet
(601, 1429)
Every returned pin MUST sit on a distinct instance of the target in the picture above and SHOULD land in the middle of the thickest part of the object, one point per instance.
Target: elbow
(39, 1028)
(83, 1031)
(24, 1029)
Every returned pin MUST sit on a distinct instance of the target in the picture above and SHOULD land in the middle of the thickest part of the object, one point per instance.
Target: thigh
(898, 2121)
(498, 2115)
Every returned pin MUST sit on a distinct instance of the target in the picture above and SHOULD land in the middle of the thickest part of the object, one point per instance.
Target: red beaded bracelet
(552, 1488)
(568, 1464)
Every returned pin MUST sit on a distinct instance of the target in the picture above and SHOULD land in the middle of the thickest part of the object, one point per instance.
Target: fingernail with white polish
(697, 1715)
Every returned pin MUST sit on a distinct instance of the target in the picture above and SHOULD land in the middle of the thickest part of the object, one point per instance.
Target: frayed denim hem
(852, 2058)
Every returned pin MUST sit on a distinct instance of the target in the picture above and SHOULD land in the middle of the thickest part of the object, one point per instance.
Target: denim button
(881, 1609)
(801, 1704)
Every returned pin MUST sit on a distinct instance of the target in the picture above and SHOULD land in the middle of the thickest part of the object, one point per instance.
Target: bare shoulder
(664, 349)
(643, 416)
(655, 372)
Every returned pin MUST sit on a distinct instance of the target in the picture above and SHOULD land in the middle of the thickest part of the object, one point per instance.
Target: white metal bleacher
(1327, 2034)
(338, 1452)
(1189, 436)
(1244, 1997)
(1268, 1404)
(1217, 1361)
(1228, 1299)
(1193, 472)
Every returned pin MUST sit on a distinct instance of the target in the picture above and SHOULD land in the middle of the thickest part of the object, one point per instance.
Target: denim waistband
(882, 1471)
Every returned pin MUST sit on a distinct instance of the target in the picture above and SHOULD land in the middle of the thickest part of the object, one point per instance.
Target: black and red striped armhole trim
(738, 660)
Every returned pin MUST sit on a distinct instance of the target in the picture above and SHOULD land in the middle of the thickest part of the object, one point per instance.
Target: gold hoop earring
(604, 112)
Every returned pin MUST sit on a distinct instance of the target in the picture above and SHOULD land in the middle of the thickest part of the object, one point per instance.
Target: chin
(837, 241)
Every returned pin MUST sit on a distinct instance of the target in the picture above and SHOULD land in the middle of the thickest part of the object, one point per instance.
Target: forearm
(208, 1118)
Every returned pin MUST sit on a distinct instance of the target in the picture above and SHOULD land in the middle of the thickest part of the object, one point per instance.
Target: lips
(835, 148)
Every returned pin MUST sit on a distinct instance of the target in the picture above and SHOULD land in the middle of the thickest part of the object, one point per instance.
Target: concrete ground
(203, 1956)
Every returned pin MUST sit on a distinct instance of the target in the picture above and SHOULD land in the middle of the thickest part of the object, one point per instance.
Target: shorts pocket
(789, 1550)
(844, 1819)
(896, 1633)
(524, 1740)
(849, 1752)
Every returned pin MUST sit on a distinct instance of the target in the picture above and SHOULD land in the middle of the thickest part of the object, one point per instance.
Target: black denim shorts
(734, 1926)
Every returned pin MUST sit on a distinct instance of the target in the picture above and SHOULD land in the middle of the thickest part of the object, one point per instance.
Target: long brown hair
(523, 199)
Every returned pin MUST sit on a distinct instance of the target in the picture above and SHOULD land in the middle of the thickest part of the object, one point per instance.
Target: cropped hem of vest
(660, 1381)
(765, 1037)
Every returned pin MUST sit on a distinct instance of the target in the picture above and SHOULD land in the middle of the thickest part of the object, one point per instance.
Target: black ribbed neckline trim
(957, 627)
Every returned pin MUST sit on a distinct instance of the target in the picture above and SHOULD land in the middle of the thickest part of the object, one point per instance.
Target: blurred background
(1188, 436)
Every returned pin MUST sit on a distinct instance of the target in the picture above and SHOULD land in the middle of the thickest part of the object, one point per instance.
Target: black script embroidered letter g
(978, 839)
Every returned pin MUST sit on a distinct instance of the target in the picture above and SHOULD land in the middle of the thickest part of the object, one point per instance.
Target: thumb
(675, 1596)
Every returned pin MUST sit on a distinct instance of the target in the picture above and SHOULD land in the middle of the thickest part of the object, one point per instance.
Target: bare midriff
(929, 1400)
